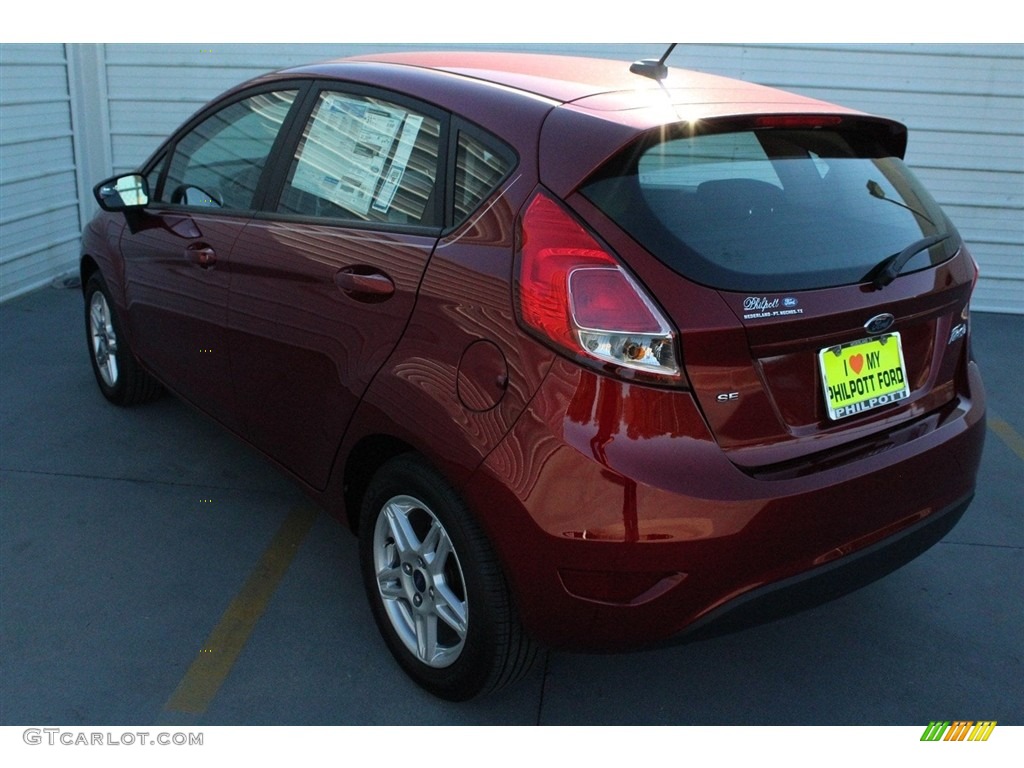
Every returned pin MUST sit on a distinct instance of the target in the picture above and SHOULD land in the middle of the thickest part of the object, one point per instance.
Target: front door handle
(364, 283)
(201, 254)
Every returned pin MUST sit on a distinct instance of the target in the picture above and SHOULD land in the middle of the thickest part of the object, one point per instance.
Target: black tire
(118, 375)
(435, 587)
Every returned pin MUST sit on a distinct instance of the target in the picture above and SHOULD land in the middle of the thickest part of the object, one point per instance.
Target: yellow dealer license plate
(862, 375)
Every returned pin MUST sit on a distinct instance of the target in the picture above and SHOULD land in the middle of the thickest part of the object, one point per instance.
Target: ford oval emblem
(879, 323)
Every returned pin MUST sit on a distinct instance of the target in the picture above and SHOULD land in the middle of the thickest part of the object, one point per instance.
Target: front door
(177, 252)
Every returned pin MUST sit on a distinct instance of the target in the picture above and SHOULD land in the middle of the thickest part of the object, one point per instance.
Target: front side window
(219, 162)
(771, 210)
(364, 159)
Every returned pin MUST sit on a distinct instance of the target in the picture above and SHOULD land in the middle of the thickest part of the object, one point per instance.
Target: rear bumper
(827, 582)
(621, 524)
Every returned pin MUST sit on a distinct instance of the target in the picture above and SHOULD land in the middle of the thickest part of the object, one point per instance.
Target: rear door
(324, 281)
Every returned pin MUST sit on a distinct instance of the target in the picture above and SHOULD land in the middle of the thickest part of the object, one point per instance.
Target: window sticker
(410, 129)
(346, 150)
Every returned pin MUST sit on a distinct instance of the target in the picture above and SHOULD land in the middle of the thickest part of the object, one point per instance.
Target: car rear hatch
(820, 293)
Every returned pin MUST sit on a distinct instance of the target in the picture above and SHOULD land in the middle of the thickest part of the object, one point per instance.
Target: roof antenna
(652, 68)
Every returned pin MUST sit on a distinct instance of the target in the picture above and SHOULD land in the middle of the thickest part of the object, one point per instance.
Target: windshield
(775, 210)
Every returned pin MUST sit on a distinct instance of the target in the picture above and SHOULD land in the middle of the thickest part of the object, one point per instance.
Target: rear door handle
(361, 283)
(201, 254)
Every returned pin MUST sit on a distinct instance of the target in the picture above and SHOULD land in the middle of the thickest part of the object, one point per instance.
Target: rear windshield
(771, 210)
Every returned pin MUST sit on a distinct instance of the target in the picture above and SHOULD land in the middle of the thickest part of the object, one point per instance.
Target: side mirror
(122, 193)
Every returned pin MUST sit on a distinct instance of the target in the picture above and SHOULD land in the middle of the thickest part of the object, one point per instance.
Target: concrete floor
(126, 535)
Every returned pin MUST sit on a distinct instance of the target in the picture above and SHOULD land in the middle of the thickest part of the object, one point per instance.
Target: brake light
(575, 295)
(797, 121)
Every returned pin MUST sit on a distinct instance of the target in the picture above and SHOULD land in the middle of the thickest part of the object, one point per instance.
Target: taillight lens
(574, 294)
(966, 313)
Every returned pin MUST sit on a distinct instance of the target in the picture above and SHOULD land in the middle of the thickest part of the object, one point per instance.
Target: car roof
(601, 85)
(574, 96)
(559, 78)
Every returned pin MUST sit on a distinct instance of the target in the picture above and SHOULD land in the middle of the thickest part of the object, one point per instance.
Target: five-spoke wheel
(104, 339)
(420, 581)
(435, 586)
(119, 376)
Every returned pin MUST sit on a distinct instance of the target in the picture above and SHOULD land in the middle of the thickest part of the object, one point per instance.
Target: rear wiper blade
(890, 267)
(875, 190)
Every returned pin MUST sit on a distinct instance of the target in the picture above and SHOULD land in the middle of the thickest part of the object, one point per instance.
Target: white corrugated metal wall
(964, 105)
(39, 217)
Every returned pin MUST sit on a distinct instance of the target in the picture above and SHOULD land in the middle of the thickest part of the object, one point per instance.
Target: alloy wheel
(420, 581)
(104, 339)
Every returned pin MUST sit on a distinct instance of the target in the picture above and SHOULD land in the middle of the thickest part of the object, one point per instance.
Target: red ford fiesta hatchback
(587, 359)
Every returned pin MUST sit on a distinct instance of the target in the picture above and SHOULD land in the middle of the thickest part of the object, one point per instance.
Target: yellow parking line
(1008, 434)
(214, 661)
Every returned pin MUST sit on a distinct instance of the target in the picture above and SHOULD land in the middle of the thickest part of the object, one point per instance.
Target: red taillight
(604, 298)
(573, 293)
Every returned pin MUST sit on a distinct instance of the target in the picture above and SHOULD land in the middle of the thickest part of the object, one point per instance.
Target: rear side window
(770, 210)
(478, 171)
